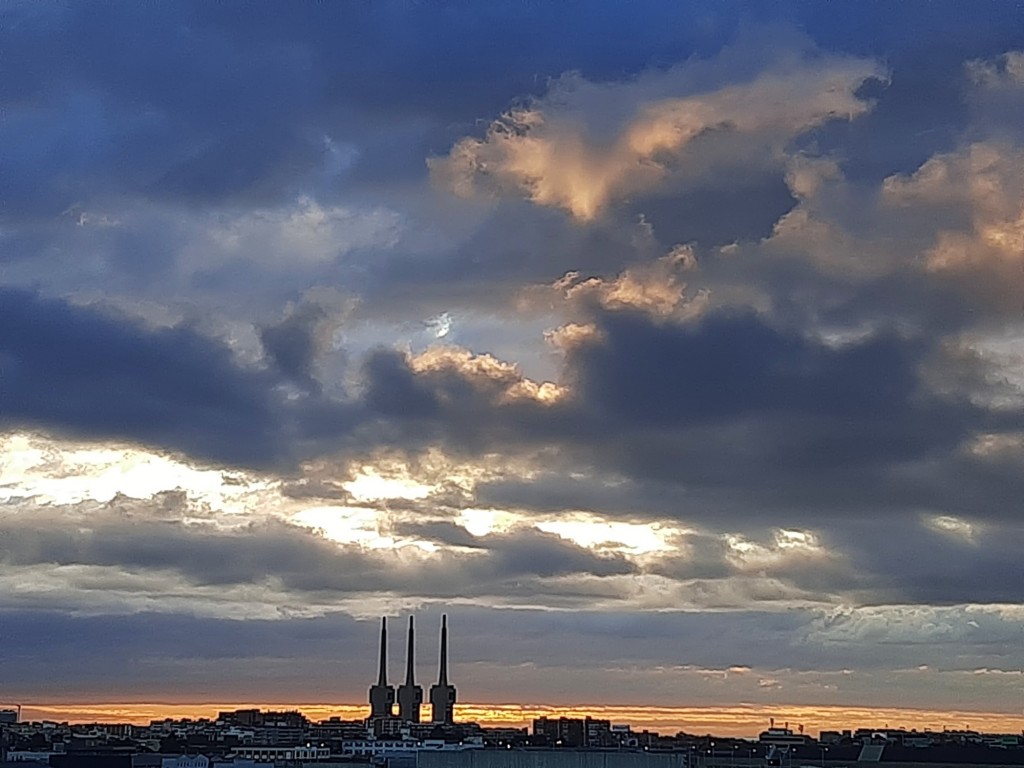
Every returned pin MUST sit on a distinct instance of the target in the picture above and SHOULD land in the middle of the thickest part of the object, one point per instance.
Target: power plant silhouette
(410, 695)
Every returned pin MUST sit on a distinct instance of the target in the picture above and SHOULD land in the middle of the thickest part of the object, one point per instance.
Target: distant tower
(442, 695)
(382, 695)
(410, 695)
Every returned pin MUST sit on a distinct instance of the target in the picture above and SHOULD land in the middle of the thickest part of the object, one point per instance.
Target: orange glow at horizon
(739, 720)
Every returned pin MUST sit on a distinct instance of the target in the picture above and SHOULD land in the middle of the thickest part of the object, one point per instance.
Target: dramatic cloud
(978, 192)
(78, 370)
(586, 143)
(691, 363)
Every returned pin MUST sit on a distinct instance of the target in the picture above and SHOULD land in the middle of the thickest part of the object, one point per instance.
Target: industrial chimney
(382, 695)
(410, 695)
(442, 695)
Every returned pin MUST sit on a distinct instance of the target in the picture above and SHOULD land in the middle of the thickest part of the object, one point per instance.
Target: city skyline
(674, 352)
(742, 721)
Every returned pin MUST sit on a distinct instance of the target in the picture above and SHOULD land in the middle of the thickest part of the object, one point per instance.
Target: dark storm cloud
(293, 345)
(728, 406)
(968, 562)
(202, 103)
(149, 103)
(394, 389)
(696, 215)
(440, 531)
(79, 371)
(797, 419)
(923, 109)
(727, 420)
(727, 403)
(466, 412)
(727, 366)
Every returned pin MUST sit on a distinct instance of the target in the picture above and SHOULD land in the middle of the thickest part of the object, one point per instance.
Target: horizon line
(742, 718)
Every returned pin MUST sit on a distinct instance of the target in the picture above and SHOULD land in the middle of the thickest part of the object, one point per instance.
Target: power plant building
(409, 695)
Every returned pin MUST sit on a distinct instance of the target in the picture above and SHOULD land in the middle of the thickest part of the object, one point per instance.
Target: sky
(674, 350)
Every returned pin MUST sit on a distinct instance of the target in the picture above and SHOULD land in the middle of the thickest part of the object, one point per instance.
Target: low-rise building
(186, 761)
(272, 754)
(784, 737)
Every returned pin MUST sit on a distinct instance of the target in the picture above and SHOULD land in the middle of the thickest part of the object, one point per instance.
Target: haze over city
(674, 351)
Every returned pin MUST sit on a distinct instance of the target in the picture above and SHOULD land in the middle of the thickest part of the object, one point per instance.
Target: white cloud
(954, 527)
(502, 379)
(1003, 71)
(996, 446)
(304, 233)
(655, 287)
(919, 624)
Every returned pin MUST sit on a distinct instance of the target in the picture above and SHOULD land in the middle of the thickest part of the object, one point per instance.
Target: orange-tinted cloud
(560, 152)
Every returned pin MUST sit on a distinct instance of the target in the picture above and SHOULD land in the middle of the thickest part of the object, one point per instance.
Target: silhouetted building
(99, 758)
(546, 758)
(382, 695)
(442, 695)
(247, 717)
(563, 732)
(598, 733)
(505, 737)
(410, 695)
(336, 728)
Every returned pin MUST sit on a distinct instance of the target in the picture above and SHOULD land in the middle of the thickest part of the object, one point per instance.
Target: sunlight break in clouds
(64, 472)
(620, 536)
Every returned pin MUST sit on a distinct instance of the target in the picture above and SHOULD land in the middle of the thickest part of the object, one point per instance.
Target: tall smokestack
(442, 695)
(443, 677)
(382, 695)
(410, 695)
(409, 651)
(382, 675)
